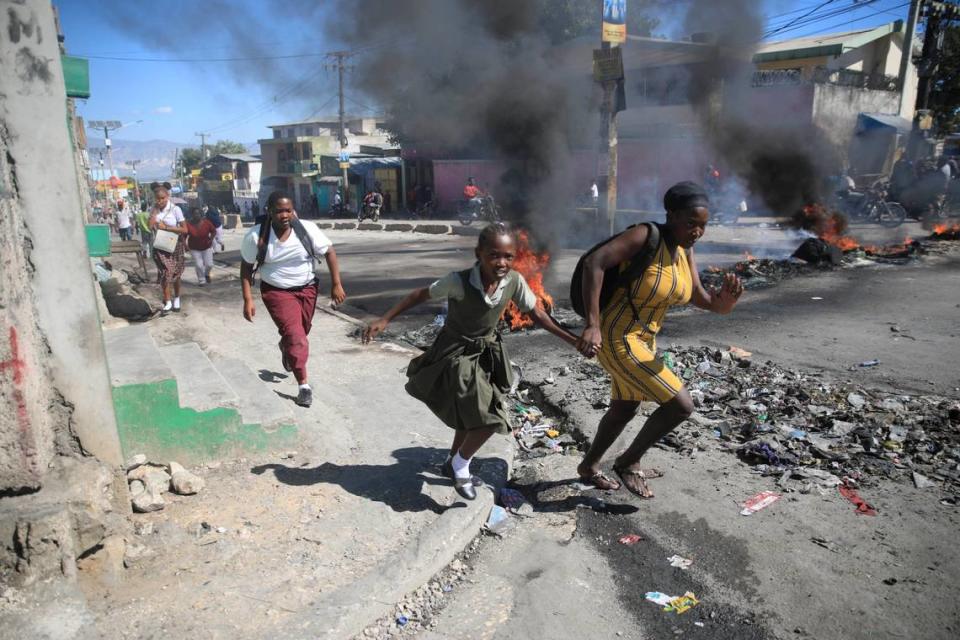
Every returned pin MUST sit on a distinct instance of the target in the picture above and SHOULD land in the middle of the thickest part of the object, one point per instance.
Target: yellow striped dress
(629, 345)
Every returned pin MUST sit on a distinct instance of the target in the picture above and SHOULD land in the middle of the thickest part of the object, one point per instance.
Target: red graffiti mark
(17, 365)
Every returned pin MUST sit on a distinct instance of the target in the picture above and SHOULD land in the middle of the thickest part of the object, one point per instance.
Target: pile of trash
(759, 273)
(810, 432)
(536, 434)
(812, 256)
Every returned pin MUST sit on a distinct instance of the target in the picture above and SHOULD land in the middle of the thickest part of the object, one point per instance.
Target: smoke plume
(782, 159)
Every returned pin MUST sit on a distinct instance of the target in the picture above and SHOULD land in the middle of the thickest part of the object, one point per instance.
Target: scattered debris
(760, 501)
(778, 419)
(869, 363)
(499, 521)
(921, 481)
(680, 562)
(676, 604)
(630, 539)
(148, 481)
(863, 507)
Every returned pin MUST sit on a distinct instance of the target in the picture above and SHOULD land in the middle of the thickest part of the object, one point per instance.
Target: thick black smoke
(783, 160)
(475, 79)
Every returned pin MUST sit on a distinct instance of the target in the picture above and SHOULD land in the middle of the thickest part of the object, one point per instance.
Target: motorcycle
(481, 208)
(339, 210)
(871, 205)
(370, 209)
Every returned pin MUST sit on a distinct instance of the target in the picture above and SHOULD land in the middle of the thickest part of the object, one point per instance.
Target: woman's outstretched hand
(725, 299)
(590, 342)
(373, 329)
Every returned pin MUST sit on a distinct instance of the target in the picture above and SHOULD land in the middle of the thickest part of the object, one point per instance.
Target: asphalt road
(562, 573)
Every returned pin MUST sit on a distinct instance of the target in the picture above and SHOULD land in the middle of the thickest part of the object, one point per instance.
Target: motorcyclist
(473, 195)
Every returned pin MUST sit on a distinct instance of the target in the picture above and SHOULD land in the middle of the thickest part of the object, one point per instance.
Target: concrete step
(199, 385)
(133, 356)
(257, 403)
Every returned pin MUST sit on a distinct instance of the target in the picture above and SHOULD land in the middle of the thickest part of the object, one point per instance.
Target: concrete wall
(55, 392)
(836, 108)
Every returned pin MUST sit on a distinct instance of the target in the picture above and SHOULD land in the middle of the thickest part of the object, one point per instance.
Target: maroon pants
(292, 311)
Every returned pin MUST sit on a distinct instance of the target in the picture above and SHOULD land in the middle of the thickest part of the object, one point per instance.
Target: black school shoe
(465, 488)
(305, 397)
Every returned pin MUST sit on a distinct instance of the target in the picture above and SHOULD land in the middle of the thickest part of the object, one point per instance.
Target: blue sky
(177, 99)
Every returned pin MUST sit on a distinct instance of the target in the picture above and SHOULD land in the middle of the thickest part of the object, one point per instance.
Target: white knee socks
(461, 467)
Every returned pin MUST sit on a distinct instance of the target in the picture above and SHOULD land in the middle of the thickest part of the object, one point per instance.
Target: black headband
(685, 195)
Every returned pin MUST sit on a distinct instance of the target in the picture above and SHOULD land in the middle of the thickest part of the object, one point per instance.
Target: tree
(564, 20)
(190, 159)
(226, 146)
(945, 91)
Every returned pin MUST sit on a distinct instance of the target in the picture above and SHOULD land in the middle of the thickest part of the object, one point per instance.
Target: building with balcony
(293, 155)
(230, 181)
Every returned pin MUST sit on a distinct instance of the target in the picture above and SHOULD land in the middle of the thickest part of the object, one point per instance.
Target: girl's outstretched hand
(373, 329)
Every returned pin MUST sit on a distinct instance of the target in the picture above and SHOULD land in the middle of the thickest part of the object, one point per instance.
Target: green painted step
(149, 403)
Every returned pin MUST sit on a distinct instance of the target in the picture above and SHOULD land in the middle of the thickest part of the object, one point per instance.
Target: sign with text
(607, 64)
(614, 26)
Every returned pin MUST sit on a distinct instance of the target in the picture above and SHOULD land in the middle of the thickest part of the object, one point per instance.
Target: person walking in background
(465, 376)
(124, 225)
(284, 250)
(146, 236)
(213, 215)
(200, 235)
(167, 218)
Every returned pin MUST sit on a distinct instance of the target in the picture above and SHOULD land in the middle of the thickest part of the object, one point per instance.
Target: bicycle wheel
(891, 214)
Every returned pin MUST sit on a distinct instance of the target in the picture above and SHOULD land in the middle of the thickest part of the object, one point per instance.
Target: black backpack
(613, 278)
(264, 239)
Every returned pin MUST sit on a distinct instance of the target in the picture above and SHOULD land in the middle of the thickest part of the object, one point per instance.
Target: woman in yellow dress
(623, 334)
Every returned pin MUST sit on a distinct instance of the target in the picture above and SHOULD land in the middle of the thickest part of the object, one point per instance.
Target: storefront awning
(869, 121)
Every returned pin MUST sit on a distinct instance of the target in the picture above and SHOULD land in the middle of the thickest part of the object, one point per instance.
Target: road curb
(345, 612)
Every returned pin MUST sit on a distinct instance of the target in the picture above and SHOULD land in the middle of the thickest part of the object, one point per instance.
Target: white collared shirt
(170, 215)
(451, 286)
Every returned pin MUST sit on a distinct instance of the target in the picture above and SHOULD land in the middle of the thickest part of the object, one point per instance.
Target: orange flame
(946, 230)
(531, 266)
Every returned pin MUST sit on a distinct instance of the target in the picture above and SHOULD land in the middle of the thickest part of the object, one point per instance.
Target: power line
(837, 13)
(796, 20)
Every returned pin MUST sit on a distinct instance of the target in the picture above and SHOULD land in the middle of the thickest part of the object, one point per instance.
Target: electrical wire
(796, 20)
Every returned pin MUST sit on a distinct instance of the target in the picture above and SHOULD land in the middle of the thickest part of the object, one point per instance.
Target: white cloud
(163, 110)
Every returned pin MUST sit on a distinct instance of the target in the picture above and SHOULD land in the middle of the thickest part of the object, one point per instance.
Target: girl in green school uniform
(465, 375)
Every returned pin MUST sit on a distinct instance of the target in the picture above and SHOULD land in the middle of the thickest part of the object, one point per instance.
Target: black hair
(276, 197)
(160, 185)
(685, 195)
(493, 231)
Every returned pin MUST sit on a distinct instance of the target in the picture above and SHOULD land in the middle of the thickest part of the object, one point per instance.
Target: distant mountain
(155, 156)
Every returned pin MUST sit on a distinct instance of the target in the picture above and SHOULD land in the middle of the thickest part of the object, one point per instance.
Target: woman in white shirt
(288, 283)
(166, 216)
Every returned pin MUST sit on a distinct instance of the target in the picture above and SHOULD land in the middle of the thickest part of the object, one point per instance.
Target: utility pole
(203, 146)
(340, 57)
(907, 52)
(136, 183)
(608, 70)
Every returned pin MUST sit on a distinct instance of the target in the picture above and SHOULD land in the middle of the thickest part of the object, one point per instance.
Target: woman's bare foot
(635, 479)
(597, 479)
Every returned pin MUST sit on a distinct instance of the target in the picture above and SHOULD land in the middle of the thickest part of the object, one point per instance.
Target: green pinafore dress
(465, 376)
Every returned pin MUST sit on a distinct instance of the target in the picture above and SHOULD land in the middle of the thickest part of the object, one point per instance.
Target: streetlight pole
(136, 183)
(108, 126)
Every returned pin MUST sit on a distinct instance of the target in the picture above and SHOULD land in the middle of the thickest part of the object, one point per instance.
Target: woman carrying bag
(169, 230)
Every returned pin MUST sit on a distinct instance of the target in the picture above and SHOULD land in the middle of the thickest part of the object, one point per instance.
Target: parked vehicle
(483, 208)
(339, 210)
